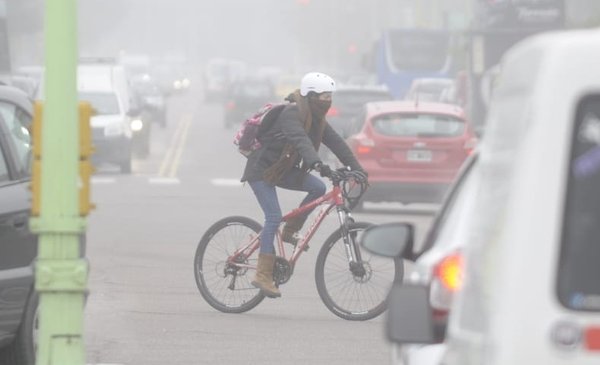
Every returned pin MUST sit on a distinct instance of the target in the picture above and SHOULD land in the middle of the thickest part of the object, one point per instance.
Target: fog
(294, 35)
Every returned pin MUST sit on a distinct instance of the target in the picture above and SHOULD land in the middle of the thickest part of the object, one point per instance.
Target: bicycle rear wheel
(225, 286)
(359, 293)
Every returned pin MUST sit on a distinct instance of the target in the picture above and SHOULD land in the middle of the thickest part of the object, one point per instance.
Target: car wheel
(22, 350)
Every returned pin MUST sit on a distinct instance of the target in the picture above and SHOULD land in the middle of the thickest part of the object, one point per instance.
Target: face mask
(319, 107)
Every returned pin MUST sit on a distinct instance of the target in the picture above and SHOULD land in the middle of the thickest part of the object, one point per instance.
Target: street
(144, 306)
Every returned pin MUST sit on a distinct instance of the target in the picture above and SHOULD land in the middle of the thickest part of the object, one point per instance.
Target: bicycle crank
(282, 271)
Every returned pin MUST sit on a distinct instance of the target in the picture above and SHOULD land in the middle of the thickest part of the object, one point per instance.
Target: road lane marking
(103, 180)
(182, 140)
(163, 180)
(167, 159)
(226, 182)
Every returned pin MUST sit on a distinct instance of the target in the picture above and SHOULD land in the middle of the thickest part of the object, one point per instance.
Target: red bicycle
(352, 283)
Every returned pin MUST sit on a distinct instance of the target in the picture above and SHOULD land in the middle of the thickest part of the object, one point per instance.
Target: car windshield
(579, 269)
(103, 103)
(418, 125)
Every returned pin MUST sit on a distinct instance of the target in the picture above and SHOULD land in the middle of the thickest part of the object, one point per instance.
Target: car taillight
(333, 112)
(592, 338)
(230, 105)
(364, 146)
(449, 272)
(470, 145)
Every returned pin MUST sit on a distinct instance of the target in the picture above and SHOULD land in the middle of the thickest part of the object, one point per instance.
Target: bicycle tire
(237, 303)
(342, 308)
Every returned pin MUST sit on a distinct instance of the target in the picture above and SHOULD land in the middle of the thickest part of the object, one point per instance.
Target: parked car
(412, 151)
(438, 263)
(530, 293)
(429, 89)
(246, 97)
(18, 246)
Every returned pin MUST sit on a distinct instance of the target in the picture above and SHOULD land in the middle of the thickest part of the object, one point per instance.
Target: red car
(411, 150)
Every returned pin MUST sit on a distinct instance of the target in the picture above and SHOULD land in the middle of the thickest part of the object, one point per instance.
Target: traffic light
(86, 169)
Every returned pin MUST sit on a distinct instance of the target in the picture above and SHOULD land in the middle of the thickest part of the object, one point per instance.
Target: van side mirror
(390, 240)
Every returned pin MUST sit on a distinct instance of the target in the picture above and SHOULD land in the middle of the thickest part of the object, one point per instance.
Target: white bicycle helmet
(317, 82)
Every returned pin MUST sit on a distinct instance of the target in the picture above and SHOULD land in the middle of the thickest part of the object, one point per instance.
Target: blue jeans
(266, 195)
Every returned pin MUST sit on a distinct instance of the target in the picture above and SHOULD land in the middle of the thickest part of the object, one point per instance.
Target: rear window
(579, 269)
(103, 103)
(418, 125)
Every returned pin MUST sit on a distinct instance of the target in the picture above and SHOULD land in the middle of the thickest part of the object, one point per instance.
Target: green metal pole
(61, 275)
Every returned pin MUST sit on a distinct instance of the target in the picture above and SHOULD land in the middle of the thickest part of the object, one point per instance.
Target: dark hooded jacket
(289, 129)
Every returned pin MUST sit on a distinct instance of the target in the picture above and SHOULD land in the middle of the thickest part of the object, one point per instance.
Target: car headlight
(114, 129)
(137, 125)
(177, 84)
(185, 83)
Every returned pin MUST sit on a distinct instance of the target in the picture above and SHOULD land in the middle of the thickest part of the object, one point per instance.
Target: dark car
(151, 98)
(245, 97)
(18, 246)
(348, 102)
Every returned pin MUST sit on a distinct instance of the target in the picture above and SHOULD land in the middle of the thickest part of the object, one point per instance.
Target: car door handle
(19, 223)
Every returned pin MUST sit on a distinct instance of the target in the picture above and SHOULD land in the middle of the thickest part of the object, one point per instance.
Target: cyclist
(288, 154)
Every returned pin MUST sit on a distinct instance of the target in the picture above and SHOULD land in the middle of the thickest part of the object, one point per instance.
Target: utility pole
(60, 192)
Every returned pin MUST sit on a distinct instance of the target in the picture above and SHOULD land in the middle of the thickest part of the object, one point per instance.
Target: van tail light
(333, 112)
(230, 105)
(364, 146)
(449, 272)
(470, 145)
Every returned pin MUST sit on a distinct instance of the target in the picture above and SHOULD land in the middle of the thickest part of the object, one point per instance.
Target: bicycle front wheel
(226, 286)
(358, 292)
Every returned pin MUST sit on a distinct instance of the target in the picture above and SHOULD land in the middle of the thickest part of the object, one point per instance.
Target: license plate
(418, 155)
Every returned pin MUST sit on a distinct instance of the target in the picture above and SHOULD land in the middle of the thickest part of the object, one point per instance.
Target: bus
(402, 55)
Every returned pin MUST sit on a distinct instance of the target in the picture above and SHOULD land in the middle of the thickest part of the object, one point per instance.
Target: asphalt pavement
(144, 307)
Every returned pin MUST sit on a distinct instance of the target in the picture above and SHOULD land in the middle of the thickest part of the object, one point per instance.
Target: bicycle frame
(332, 199)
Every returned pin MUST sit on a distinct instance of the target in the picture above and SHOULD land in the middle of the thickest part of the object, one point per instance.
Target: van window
(104, 103)
(579, 269)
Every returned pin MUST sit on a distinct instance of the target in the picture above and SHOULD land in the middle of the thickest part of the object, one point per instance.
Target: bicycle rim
(355, 296)
(225, 287)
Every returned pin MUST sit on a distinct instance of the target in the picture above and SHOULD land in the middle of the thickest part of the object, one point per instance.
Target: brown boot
(290, 230)
(264, 275)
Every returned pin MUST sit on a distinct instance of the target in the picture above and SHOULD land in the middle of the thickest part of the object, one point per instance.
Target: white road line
(226, 182)
(103, 180)
(164, 180)
(103, 363)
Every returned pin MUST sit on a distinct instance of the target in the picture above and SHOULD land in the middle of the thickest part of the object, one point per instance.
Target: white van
(531, 287)
(106, 87)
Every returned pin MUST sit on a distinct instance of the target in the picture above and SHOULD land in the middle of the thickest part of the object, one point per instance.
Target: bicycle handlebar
(349, 179)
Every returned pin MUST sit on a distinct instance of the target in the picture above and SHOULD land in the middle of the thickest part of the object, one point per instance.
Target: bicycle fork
(350, 244)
